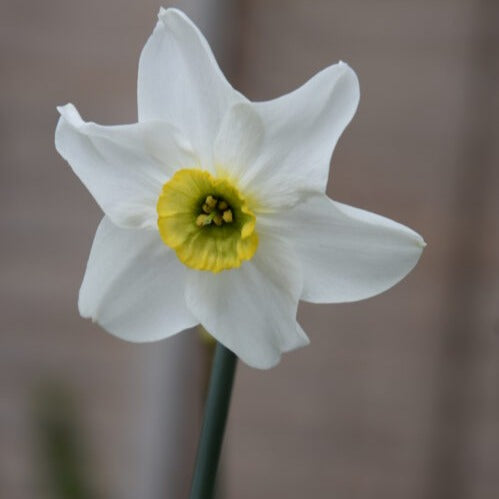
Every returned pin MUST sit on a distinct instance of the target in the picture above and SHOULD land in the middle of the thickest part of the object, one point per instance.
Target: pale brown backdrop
(397, 396)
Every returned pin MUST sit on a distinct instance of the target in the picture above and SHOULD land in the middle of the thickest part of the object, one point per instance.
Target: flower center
(206, 221)
(215, 211)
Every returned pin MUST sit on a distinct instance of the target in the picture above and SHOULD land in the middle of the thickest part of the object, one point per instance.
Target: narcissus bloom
(215, 206)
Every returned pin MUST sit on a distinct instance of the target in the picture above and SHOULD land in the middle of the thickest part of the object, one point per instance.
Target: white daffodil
(215, 206)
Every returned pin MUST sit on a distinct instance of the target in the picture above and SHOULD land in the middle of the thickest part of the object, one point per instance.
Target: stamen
(227, 216)
(214, 211)
(211, 202)
(203, 220)
(218, 219)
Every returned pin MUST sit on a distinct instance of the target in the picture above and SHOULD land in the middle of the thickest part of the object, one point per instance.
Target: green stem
(215, 416)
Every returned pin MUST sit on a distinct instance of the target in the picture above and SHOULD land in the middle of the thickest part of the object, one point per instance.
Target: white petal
(133, 286)
(238, 143)
(301, 131)
(347, 254)
(180, 82)
(252, 310)
(124, 167)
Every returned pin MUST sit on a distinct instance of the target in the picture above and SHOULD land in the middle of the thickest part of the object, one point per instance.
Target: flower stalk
(215, 417)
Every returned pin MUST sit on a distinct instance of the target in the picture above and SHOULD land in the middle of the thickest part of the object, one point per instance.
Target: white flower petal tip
(175, 21)
(273, 354)
(171, 14)
(272, 357)
(70, 113)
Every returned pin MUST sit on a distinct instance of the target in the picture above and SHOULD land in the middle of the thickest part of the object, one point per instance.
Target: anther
(211, 202)
(218, 219)
(227, 216)
(222, 205)
(202, 220)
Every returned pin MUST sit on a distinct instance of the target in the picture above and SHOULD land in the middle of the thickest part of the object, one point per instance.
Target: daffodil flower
(215, 206)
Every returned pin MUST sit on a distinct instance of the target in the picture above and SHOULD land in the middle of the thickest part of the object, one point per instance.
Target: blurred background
(397, 396)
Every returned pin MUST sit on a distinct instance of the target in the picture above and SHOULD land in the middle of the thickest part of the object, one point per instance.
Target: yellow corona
(206, 221)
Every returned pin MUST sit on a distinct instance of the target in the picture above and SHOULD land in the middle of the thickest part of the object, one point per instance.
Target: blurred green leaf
(60, 448)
